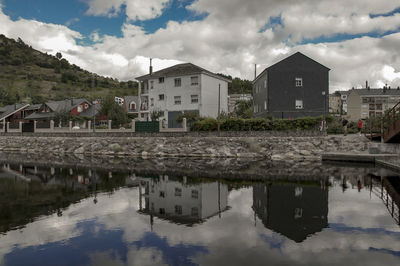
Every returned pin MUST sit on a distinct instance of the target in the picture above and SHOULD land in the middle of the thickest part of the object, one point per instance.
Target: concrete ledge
(356, 157)
(388, 164)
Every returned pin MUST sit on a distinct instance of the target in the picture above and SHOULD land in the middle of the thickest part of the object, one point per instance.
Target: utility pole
(219, 105)
(255, 71)
(94, 106)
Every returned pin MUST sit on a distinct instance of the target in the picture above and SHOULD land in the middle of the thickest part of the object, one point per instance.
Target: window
(79, 108)
(152, 206)
(178, 192)
(86, 106)
(178, 209)
(178, 82)
(194, 81)
(161, 80)
(299, 104)
(151, 101)
(151, 84)
(162, 211)
(161, 97)
(177, 100)
(195, 194)
(162, 194)
(265, 105)
(132, 106)
(299, 82)
(194, 98)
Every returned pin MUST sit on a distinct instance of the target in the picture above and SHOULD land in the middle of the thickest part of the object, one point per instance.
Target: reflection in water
(294, 210)
(80, 216)
(181, 201)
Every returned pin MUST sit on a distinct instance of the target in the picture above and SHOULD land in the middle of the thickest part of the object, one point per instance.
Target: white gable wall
(209, 96)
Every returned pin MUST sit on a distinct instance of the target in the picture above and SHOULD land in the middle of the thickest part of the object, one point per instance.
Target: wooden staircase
(391, 125)
(387, 127)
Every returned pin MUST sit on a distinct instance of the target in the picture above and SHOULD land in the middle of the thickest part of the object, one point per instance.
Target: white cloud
(135, 9)
(229, 39)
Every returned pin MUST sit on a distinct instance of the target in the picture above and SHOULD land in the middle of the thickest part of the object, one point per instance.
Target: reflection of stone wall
(232, 168)
(277, 148)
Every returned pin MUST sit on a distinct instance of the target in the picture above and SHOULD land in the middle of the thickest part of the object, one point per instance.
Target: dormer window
(79, 108)
(299, 82)
(132, 106)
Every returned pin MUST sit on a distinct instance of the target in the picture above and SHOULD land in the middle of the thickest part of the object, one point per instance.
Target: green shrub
(207, 124)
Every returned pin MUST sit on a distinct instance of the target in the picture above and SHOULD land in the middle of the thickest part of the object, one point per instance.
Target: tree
(156, 114)
(59, 55)
(244, 109)
(113, 111)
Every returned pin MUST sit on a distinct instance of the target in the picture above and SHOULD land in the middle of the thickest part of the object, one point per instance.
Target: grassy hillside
(27, 75)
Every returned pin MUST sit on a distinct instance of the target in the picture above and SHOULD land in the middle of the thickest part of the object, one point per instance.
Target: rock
(79, 150)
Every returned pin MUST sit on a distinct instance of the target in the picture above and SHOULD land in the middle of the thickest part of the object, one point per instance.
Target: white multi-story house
(179, 201)
(184, 88)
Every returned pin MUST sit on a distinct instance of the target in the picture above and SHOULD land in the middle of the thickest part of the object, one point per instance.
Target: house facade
(295, 87)
(335, 103)
(183, 88)
(176, 200)
(369, 102)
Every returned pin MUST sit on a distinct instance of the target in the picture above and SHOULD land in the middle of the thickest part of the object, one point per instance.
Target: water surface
(69, 215)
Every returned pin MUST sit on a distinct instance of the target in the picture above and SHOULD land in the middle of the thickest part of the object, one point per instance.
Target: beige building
(365, 103)
(335, 103)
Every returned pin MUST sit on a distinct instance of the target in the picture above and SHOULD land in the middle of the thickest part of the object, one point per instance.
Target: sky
(358, 40)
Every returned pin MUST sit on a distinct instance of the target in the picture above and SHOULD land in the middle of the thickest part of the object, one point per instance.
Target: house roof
(65, 105)
(92, 110)
(33, 107)
(376, 91)
(288, 58)
(181, 70)
(9, 110)
(39, 116)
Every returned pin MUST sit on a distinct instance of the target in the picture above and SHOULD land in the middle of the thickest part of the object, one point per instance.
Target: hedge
(258, 124)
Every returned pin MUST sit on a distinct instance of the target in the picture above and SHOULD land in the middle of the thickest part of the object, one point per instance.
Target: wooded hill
(27, 75)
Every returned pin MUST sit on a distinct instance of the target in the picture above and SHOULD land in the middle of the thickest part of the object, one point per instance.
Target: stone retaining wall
(275, 148)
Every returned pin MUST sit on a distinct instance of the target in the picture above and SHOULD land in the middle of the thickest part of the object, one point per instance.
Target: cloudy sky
(359, 40)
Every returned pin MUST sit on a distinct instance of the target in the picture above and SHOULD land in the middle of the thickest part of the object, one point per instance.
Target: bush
(207, 124)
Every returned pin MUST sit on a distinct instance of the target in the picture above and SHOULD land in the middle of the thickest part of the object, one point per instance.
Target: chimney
(366, 84)
(255, 71)
(151, 67)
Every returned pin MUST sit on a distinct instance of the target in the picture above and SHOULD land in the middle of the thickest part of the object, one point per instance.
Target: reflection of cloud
(113, 232)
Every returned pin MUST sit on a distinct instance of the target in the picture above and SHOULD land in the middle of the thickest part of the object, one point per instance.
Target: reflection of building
(182, 202)
(293, 210)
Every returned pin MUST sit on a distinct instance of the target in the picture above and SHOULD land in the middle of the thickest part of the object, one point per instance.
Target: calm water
(78, 216)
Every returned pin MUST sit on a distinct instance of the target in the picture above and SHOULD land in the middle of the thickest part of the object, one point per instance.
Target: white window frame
(196, 80)
(177, 100)
(299, 82)
(86, 106)
(194, 98)
(299, 104)
(132, 104)
(178, 82)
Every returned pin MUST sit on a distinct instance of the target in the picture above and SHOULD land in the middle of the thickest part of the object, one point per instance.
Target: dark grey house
(295, 87)
(294, 210)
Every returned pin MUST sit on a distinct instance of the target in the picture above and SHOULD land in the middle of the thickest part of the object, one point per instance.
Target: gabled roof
(9, 110)
(92, 110)
(65, 105)
(180, 70)
(297, 54)
(39, 116)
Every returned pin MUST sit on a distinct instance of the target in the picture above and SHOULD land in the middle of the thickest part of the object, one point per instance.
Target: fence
(134, 126)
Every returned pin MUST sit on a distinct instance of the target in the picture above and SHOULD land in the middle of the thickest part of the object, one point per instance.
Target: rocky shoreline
(271, 148)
